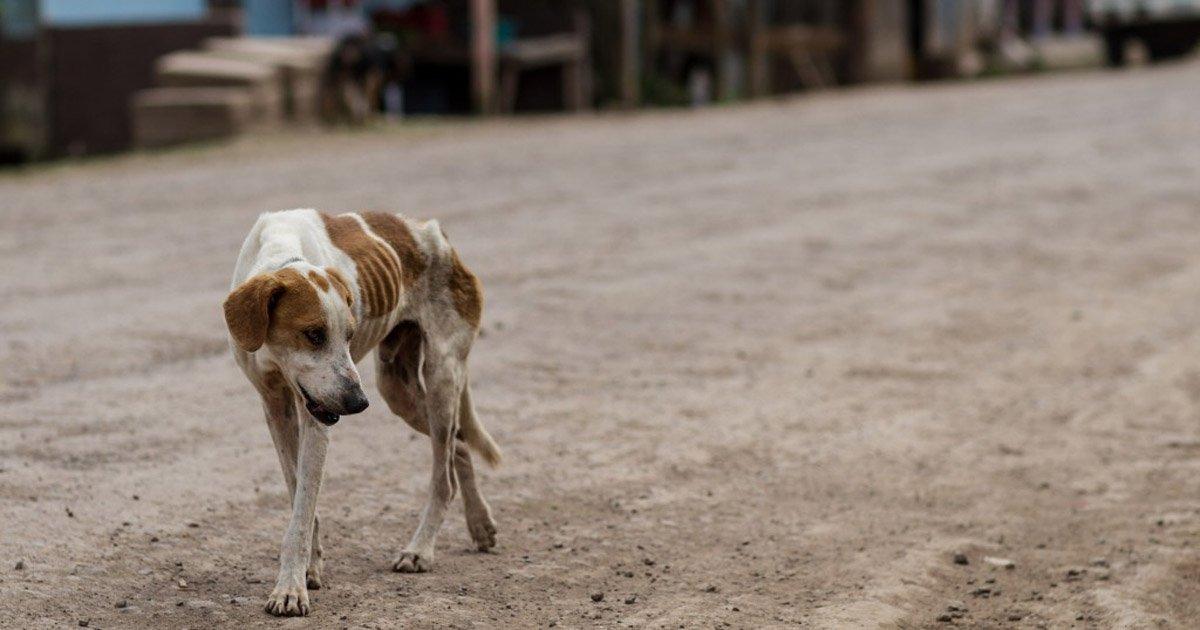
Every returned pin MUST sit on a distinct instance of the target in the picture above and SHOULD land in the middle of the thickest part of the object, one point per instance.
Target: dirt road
(752, 367)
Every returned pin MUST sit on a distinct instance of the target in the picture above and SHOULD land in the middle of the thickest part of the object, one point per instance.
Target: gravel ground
(806, 362)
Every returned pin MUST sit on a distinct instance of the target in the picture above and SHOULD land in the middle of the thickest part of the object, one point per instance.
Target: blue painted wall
(281, 17)
(18, 18)
(269, 17)
(93, 12)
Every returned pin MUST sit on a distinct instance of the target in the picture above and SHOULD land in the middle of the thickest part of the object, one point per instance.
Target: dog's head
(301, 317)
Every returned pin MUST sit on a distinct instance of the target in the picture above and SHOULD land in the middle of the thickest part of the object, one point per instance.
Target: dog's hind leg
(399, 369)
(280, 410)
(478, 513)
(316, 561)
(444, 374)
(398, 365)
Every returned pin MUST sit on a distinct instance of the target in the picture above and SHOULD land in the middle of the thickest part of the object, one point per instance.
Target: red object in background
(321, 5)
(432, 21)
(437, 21)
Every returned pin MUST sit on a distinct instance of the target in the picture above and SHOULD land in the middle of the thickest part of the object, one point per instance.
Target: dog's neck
(278, 247)
(292, 260)
(269, 262)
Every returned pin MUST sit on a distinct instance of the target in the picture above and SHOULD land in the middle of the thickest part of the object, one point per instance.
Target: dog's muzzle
(354, 401)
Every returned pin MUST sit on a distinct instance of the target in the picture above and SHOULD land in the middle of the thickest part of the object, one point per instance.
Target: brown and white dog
(312, 295)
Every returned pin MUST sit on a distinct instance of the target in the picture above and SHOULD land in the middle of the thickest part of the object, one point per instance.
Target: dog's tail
(472, 432)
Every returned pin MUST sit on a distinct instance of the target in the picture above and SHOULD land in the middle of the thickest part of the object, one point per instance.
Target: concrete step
(262, 81)
(197, 68)
(299, 69)
(178, 115)
(1070, 52)
(276, 51)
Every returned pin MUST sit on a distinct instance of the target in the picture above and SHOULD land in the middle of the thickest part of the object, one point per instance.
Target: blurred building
(89, 76)
(69, 68)
(458, 56)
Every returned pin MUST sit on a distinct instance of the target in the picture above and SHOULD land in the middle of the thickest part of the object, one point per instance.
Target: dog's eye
(350, 334)
(316, 336)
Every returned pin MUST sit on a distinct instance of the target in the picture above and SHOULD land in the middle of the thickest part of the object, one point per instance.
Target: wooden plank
(697, 39)
(817, 39)
(545, 51)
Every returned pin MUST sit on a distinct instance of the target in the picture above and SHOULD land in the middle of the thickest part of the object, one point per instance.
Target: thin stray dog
(312, 294)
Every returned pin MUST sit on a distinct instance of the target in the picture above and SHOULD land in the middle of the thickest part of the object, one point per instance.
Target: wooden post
(722, 45)
(483, 55)
(577, 74)
(650, 38)
(1043, 19)
(1073, 16)
(759, 61)
(860, 40)
(631, 71)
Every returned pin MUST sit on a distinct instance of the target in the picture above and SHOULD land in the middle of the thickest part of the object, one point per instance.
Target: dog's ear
(248, 310)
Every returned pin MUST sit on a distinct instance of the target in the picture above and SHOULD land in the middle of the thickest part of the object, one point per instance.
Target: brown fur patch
(274, 381)
(297, 309)
(318, 280)
(276, 306)
(339, 282)
(379, 270)
(392, 229)
(248, 310)
(465, 291)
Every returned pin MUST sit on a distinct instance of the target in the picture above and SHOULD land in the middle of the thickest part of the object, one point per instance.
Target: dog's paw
(413, 562)
(289, 599)
(483, 530)
(312, 578)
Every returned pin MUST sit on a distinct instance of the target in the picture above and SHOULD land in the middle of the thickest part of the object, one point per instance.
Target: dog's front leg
(285, 432)
(290, 596)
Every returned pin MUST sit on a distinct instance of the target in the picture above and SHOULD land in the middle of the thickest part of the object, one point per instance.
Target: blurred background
(824, 314)
(82, 77)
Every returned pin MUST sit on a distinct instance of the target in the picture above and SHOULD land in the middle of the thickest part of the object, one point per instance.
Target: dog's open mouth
(318, 411)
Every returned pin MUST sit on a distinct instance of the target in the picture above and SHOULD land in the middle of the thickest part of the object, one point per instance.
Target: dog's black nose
(354, 401)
